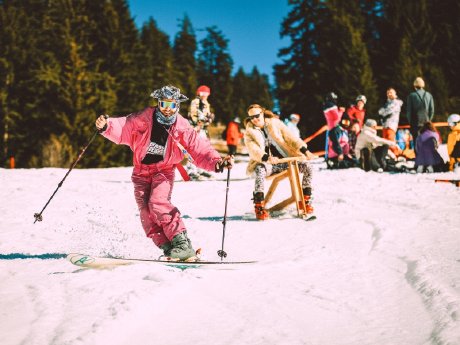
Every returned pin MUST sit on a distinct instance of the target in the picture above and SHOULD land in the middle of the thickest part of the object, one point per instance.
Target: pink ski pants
(152, 189)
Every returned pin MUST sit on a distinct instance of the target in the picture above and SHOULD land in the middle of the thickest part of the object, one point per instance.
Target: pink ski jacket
(134, 130)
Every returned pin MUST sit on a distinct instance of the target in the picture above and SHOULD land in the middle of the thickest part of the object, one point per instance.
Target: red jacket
(233, 133)
(356, 114)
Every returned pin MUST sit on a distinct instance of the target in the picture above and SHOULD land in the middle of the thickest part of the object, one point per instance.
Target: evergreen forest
(64, 62)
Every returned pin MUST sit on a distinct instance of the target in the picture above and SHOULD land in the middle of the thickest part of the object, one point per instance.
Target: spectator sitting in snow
(353, 129)
(371, 150)
(160, 138)
(428, 158)
(267, 140)
(338, 155)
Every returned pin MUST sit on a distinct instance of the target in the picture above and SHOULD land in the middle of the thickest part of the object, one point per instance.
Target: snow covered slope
(380, 265)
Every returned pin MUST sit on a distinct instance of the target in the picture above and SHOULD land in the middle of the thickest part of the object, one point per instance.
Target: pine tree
(158, 61)
(214, 70)
(185, 47)
(250, 89)
(327, 53)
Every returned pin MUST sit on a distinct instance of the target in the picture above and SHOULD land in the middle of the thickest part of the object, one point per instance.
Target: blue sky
(251, 26)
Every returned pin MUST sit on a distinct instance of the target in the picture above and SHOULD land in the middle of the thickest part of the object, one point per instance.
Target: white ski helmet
(361, 98)
(453, 119)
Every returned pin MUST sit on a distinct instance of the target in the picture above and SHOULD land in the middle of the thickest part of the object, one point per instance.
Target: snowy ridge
(442, 303)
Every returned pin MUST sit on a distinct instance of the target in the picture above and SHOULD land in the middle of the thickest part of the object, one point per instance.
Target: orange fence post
(12, 163)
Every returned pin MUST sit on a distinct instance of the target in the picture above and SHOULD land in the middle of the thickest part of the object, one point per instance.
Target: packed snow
(380, 265)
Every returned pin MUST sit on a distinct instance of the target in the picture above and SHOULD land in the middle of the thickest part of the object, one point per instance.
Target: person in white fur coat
(267, 140)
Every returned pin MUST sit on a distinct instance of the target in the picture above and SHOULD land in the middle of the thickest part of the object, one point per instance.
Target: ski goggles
(168, 104)
(255, 116)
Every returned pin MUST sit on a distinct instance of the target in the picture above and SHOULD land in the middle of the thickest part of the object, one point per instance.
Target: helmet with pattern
(169, 92)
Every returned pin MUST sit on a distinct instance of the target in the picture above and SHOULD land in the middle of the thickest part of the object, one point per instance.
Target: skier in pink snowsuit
(160, 138)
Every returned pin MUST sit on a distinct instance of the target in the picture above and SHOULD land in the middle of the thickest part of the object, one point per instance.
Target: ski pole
(38, 216)
(221, 252)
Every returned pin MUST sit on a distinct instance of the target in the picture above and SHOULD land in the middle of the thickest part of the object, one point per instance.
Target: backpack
(224, 134)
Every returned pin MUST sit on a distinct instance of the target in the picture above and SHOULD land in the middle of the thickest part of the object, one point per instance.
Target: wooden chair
(292, 173)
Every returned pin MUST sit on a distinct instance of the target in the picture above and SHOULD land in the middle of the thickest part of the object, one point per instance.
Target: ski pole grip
(105, 127)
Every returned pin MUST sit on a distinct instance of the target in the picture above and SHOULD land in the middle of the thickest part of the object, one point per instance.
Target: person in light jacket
(267, 140)
(371, 149)
(389, 116)
(160, 138)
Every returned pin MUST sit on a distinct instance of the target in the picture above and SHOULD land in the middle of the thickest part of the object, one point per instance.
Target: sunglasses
(167, 104)
(255, 116)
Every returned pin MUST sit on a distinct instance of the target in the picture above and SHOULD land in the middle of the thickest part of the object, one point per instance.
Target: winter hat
(331, 97)
(371, 123)
(294, 117)
(419, 83)
(203, 90)
(453, 119)
(237, 120)
(169, 92)
(361, 98)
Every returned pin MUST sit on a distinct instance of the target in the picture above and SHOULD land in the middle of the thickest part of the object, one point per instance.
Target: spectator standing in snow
(200, 113)
(371, 150)
(200, 117)
(357, 111)
(293, 123)
(420, 108)
(234, 135)
(267, 140)
(453, 141)
(389, 117)
(428, 158)
(159, 138)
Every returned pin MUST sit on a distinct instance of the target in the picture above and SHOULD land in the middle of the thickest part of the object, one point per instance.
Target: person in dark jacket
(428, 159)
(420, 107)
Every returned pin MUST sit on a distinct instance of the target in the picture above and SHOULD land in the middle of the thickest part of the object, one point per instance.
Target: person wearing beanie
(200, 113)
(371, 150)
(160, 138)
(200, 117)
(420, 107)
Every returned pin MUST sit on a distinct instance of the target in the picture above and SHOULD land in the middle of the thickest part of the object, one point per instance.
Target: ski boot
(166, 247)
(307, 197)
(182, 249)
(259, 206)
